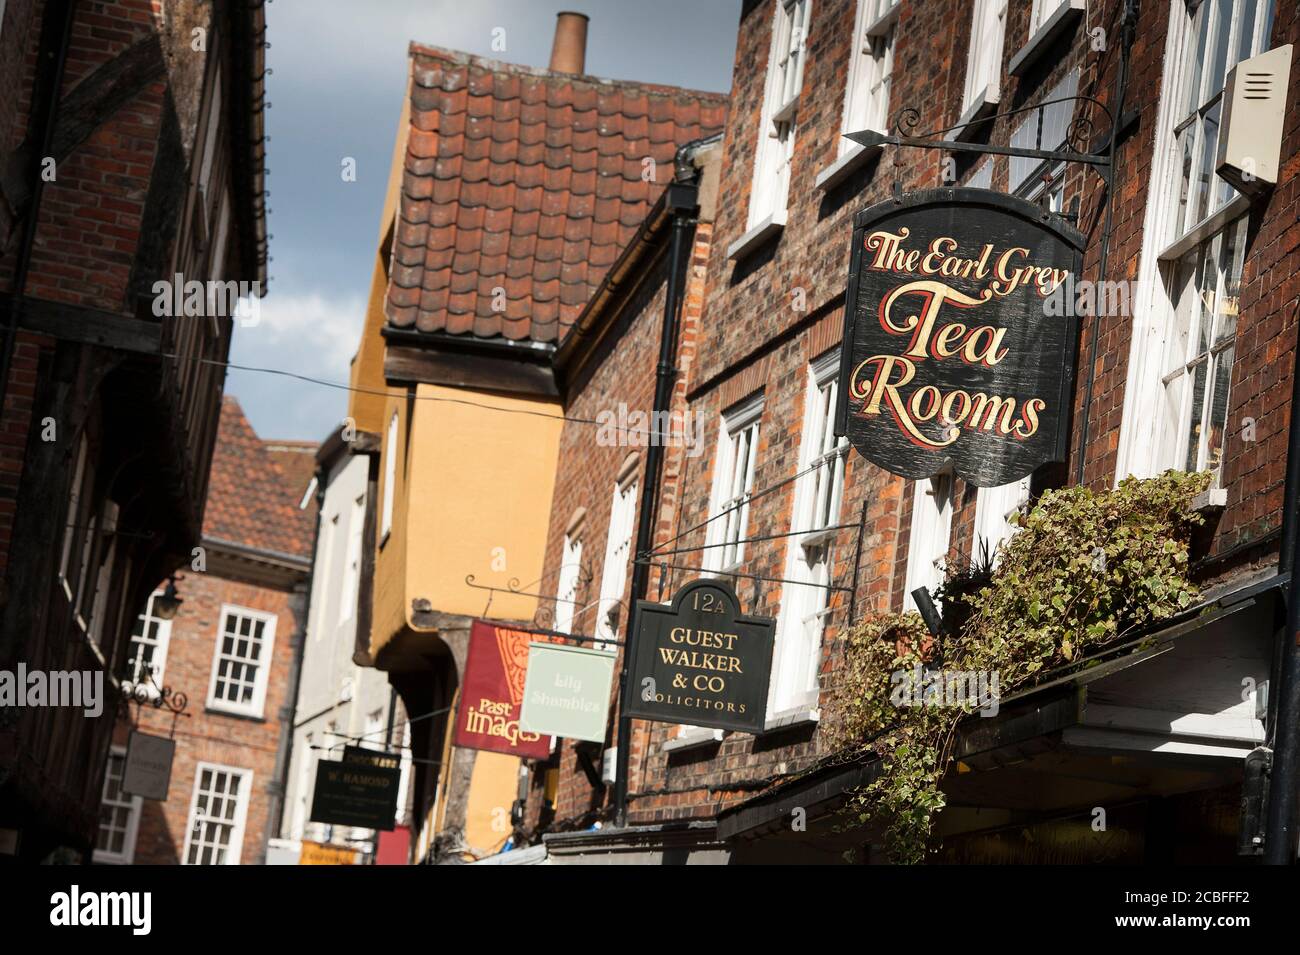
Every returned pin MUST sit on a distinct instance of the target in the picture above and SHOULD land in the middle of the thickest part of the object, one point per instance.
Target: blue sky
(339, 75)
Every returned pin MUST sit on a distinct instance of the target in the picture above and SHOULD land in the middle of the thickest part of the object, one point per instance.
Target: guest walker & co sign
(699, 661)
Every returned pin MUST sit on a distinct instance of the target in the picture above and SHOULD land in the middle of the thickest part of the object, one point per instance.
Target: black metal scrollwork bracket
(148, 693)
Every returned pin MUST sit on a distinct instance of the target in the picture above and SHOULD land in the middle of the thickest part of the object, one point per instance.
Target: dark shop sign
(355, 793)
(699, 661)
(372, 757)
(958, 349)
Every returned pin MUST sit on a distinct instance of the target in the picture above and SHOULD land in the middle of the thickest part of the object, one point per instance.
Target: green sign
(567, 692)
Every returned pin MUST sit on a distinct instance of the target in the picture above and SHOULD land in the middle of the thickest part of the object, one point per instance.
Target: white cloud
(303, 333)
(307, 334)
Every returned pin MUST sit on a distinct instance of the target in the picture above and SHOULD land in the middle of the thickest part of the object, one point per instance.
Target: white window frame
(1145, 446)
(1192, 112)
(404, 774)
(1041, 12)
(104, 578)
(994, 507)
(738, 442)
(133, 806)
(257, 705)
(818, 500)
(236, 845)
(570, 574)
(1056, 118)
(329, 535)
(618, 554)
(988, 32)
(73, 514)
(83, 572)
(220, 239)
(212, 130)
(930, 536)
(390, 478)
(871, 68)
(350, 589)
(160, 643)
(776, 134)
(1202, 350)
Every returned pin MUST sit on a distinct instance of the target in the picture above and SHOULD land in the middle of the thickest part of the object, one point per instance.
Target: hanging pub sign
(148, 768)
(496, 668)
(699, 661)
(959, 345)
(355, 794)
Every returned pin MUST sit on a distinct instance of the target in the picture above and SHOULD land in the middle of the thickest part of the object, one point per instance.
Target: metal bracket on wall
(148, 693)
(1075, 148)
(1100, 158)
(542, 616)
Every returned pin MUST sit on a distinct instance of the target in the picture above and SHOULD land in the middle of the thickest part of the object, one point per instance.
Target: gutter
(273, 558)
(523, 350)
(248, 171)
(1281, 751)
(679, 203)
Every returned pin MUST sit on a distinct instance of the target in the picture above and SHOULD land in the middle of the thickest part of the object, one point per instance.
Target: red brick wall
(209, 735)
(752, 338)
(586, 478)
(90, 215)
(1254, 472)
(622, 373)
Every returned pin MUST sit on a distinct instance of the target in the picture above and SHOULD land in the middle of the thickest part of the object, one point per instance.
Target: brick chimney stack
(569, 51)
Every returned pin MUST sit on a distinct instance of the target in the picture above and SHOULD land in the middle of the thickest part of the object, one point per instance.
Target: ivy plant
(1085, 568)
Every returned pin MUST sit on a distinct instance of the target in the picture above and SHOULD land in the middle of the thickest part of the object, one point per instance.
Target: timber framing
(476, 365)
(87, 326)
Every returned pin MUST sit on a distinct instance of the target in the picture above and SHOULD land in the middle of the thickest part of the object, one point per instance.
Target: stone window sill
(797, 716)
(1063, 19)
(846, 165)
(756, 236)
(984, 105)
(692, 738)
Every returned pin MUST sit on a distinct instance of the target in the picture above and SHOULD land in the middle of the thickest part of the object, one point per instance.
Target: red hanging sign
(488, 715)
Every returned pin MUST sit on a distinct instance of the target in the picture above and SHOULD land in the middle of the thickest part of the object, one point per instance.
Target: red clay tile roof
(297, 459)
(527, 181)
(251, 501)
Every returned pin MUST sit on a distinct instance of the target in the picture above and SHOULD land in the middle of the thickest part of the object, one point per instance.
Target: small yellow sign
(316, 853)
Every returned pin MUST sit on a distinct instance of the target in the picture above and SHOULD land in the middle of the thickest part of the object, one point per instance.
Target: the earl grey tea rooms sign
(959, 347)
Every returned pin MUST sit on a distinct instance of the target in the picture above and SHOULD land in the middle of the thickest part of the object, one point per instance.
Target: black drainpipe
(49, 75)
(681, 200)
(1279, 831)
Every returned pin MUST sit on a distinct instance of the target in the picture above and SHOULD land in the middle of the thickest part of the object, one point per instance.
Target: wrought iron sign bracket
(515, 588)
(908, 118)
(148, 693)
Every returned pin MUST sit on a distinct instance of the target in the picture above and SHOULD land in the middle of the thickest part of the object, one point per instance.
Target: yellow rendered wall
(391, 601)
(479, 483)
(365, 407)
(493, 788)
